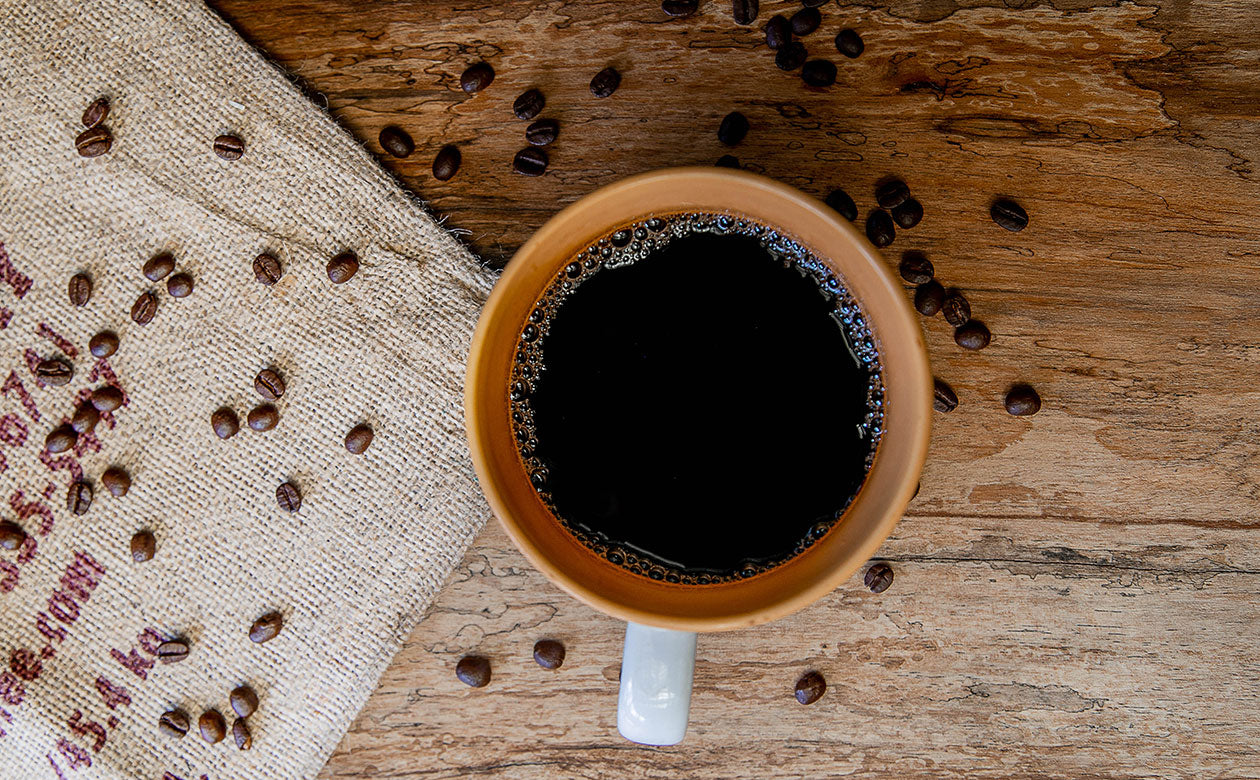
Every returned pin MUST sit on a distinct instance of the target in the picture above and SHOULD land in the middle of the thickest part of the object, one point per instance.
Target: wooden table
(1075, 592)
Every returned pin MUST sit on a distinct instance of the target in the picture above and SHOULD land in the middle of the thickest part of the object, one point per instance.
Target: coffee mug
(663, 618)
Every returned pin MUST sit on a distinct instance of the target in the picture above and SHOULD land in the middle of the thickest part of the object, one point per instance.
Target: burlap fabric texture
(352, 571)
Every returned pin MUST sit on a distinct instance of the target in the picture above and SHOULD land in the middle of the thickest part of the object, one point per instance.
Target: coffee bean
(542, 132)
(80, 289)
(79, 498)
(744, 11)
(679, 8)
(343, 267)
(103, 344)
(810, 688)
(473, 670)
(476, 77)
(93, 142)
(179, 286)
(267, 269)
(143, 547)
(879, 228)
(269, 384)
(891, 193)
(446, 163)
(229, 147)
(944, 399)
(107, 398)
(172, 652)
(94, 114)
(116, 481)
(928, 298)
(213, 728)
(263, 417)
(85, 418)
(144, 308)
(173, 724)
(955, 308)
(60, 439)
(225, 423)
(791, 56)
(849, 43)
(243, 700)
(727, 161)
(359, 439)
(288, 497)
(1009, 214)
(11, 535)
(266, 628)
(529, 104)
(805, 21)
(915, 268)
(241, 736)
(778, 32)
(396, 141)
(54, 372)
(813, 3)
(605, 82)
(1022, 400)
(158, 266)
(819, 73)
(973, 335)
(548, 653)
(839, 200)
(733, 128)
(530, 161)
(878, 577)
(908, 214)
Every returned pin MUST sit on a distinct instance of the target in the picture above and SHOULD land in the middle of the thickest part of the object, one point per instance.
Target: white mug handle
(655, 698)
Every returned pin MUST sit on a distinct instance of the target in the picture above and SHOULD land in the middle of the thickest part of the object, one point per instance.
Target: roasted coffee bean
(744, 11)
(343, 267)
(266, 628)
(107, 398)
(908, 213)
(791, 56)
(819, 73)
(733, 128)
(530, 161)
(542, 132)
(225, 423)
(839, 200)
(810, 688)
(85, 418)
(54, 372)
(11, 535)
(172, 652)
(93, 142)
(144, 308)
(891, 193)
(395, 140)
(1022, 400)
(604, 83)
(446, 163)
(143, 547)
(548, 653)
(805, 21)
(778, 32)
(955, 308)
(117, 481)
(849, 43)
(288, 497)
(229, 147)
(267, 269)
(359, 439)
(814, 3)
(679, 8)
(269, 384)
(929, 297)
(473, 670)
(915, 268)
(94, 114)
(476, 77)
(80, 289)
(212, 726)
(243, 700)
(944, 399)
(529, 104)
(79, 498)
(179, 286)
(60, 439)
(1009, 214)
(158, 266)
(727, 161)
(173, 724)
(878, 577)
(879, 228)
(241, 736)
(263, 417)
(973, 335)
(103, 344)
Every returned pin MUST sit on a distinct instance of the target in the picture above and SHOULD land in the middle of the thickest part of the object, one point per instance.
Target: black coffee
(697, 398)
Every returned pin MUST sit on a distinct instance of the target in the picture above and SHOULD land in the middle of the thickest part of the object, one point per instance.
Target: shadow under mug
(663, 618)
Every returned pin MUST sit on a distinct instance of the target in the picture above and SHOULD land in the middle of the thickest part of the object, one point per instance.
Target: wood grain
(1075, 592)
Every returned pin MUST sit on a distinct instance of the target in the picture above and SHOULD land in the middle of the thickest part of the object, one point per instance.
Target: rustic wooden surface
(1075, 593)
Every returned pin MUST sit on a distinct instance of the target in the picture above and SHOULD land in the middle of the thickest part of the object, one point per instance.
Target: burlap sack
(352, 571)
